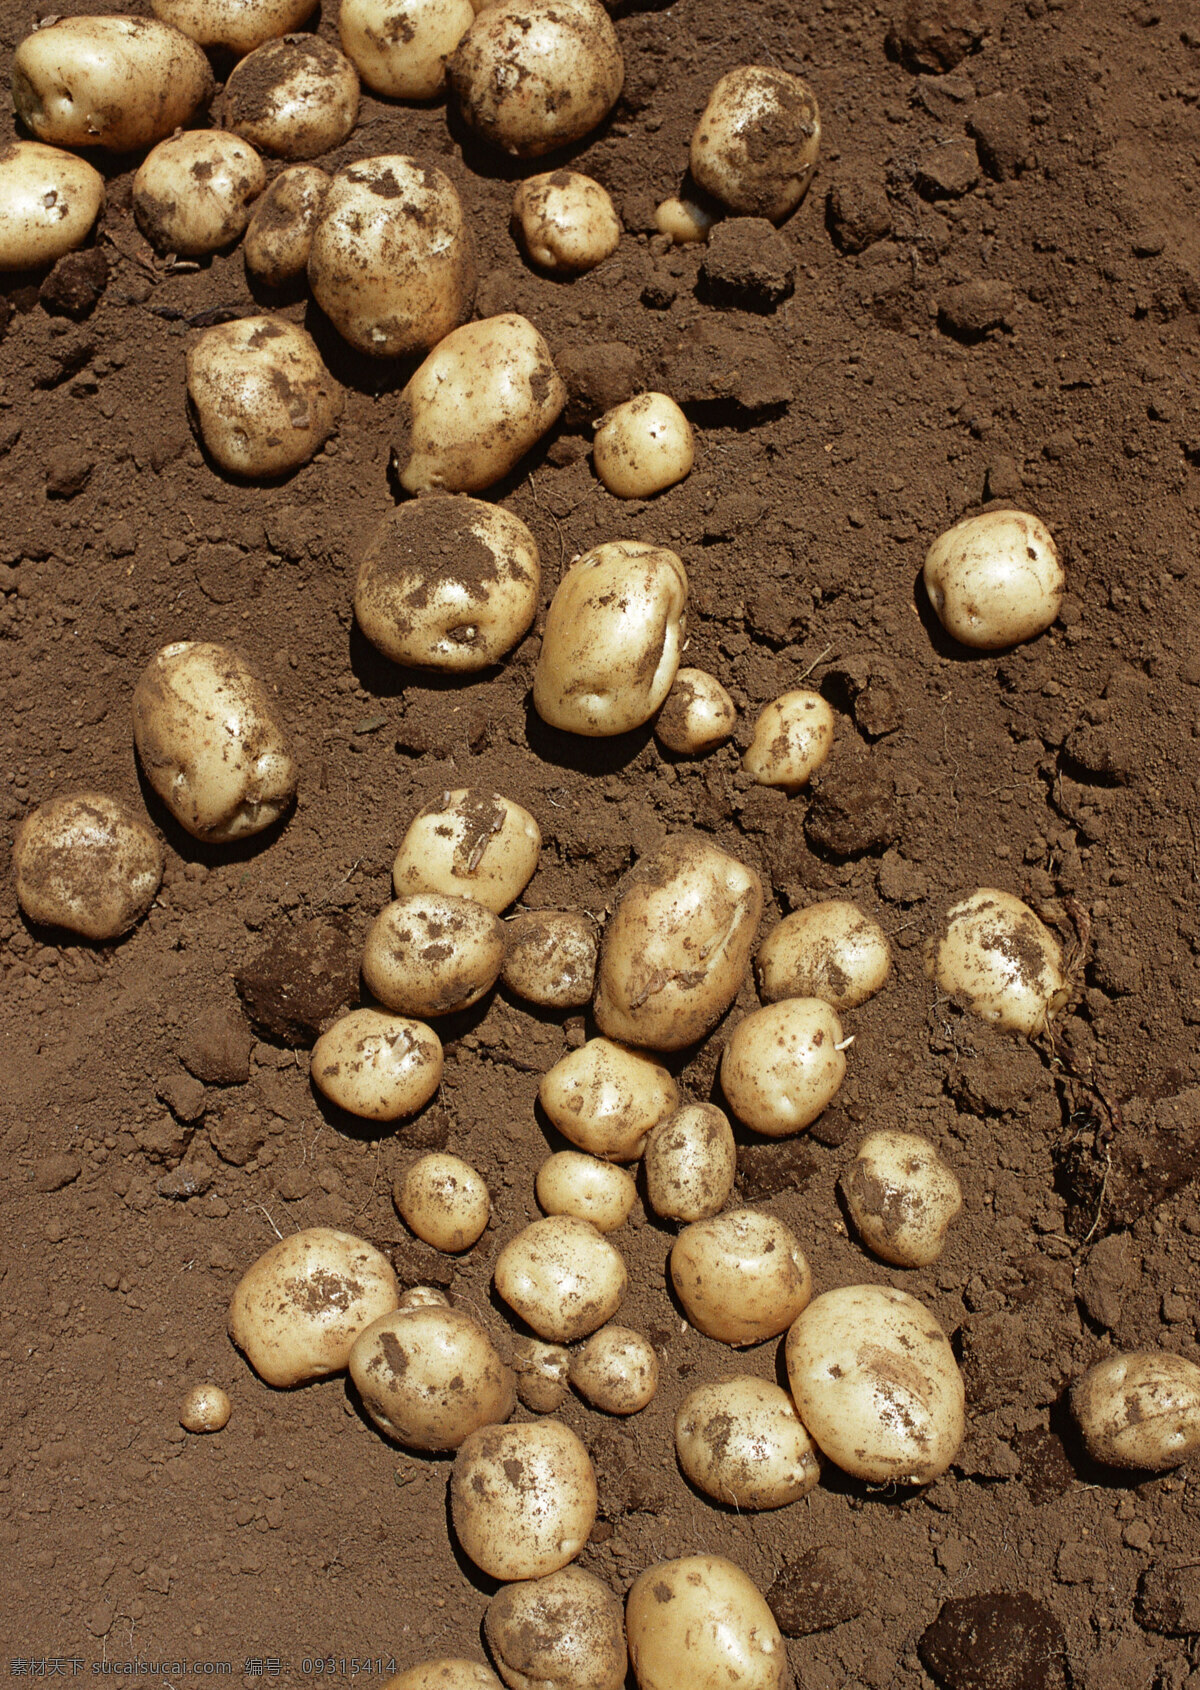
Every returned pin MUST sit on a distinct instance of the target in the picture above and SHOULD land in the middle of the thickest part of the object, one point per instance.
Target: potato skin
(85, 862)
(432, 954)
(264, 401)
(294, 98)
(562, 1632)
(1139, 1408)
(755, 146)
(430, 1377)
(445, 1673)
(741, 1276)
(49, 200)
(691, 1163)
(995, 955)
(606, 1099)
(381, 1067)
(995, 580)
(523, 1498)
(240, 25)
(702, 1622)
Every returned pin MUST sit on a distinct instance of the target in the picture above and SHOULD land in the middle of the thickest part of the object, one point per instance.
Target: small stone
(1137, 1535)
(192, 1178)
(820, 1589)
(857, 211)
(1107, 1278)
(1168, 1600)
(51, 1173)
(184, 1096)
(1003, 479)
(936, 35)
(747, 263)
(302, 976)
(68, 471)
(969, 310)
(948, 171)
(1000, 1641)
(75, 283)
(293, 1185)
(218, 1048)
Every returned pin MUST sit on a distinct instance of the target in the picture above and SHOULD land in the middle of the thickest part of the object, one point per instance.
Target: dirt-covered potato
(564, 1632)
(382, 1067)
(876, 1384)
(523, 1498)
(701, 1623)
(430, 1377)
(445, 1673)
(210, 742)
(792, 738)
(239, 25)
(643, 446)
(483, 397)
(192, 193)
(550, 957)
(562, 1277)
(613, 635)
(444, 1200)
(569, 1183)
(49, 200)
(677, 946)
(448, 582)
(206, 1408)
(1139, 1408)
(995, 580)
(85, 862)
(391, 262)
(742, 1443)
(293, 98)
(829, 950)
(279, 233)
(606, 1099)
(432, 954)
(471, 843)
(401, 46)
(902, 1197)
(263, 400)
(616, 1370)
(296, 1313)
(566, 222)
(698, 716)
(741, 1277)
(543, 1374)
(111, 82)
(783, 1064)
(756, 144)
(690, 1163)
(994, 956)
(683, 220)
(533, 75)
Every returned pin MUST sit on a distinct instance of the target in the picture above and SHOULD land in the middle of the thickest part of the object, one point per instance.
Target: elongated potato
(1139, 1408)
(793, 736)
(523, 1498)
(606, 1099)
(562, 1277)
(430, 1377)
(691, 1163)
(264, 401)
(570, 1183)
(444, 1200)
(702, 1623)
(49, 200)
(742, 1442)
(472, 843)
(741, 1277)
(240, 25)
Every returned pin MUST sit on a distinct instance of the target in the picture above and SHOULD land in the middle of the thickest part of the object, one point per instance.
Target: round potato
(382, 1067)
(85, 862)
(698, 715)
(550, 957)
(564, 1632)
(616, 1370)
(566, 221)
(49, 200)
(690, 1163)
(792, 738)
(1139, 1408)
(471, 843)
(702, 1622)
(570, 1183)
(829, 950)
(562, 1277)
(264, 401)
(994, 955)
(206, 1408)
(401, 46)
(605, 1099)
(432, 954)
(293, 98)
(683, 220)
(902, 1197)
(741, 1442)
(643, 446)
(523, 1498)
(995, 580)
(430, 1377)
(445, 1673)
(239, 25)
(192, 194)
(783, 1064)
(445, 1201)
(279, 233)
(741, 1277)
(423, 1297)
(543, 1374)
(756, 144)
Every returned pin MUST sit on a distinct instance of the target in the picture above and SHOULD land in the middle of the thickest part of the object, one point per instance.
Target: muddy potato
(701, 1623)
(742, 1443)
(829, 950)
(683, 220)
(550, 957)
(792, 738)
(49, 200)
(296, 1313)
(523, 1498)
(783, 1064)
(543, 1374)
(569, 1183)
(240, 25)
(690, 1163)
(206, 1408)
(566, 221)
(562, 1277)
(994, 955)
(616, 1370)
(279, 233)
(1139, 1408)
(471, 843)
(430, 1377)
(643, 446)
(445, 1673)
(264, 401)
(401, 46)
(432, 954)
(192, 194)
(756, 144)
(444, 1200)
(85, 862)
(995, 580)
(902, 1197)
(605, 1098)
(564, 1632)
(381, 1067)
(876, 1384)
(698, 715)
(292, 98)
(741, 1277)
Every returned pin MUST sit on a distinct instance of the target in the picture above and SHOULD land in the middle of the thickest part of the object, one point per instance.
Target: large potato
(701, 1623)
(401, 46)
(432, 954)
(192, 194)
(564, 1632)
(279, 233)
(240, 25)
(430, 1377)
(293, 98)
(783, 1064)
(1139, 1408)
(264, 401)
(49, 200)
(562, 1277)
(829, 950)
(741, 1277)
(756, 144)
(741, 1442)
(994, 955)
(85, 862)
(606, 1099)
(523, 1498)
(471, 843)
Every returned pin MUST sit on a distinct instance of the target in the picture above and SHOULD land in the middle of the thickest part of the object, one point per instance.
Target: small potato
(111, 82)
(401, 46)
(901, 1197)
(448, 582)
(543, 1374)
(550, 957)
(445, 1201)
(1139, 1408)
(572, 1184)
(756, 144)
(280, 231)
(876, 1384)
(471, 843)
(566, 221)
(702, 1623)
(684, 220)
(206, 1408)
(562, 1277)
(430, 1377)
(995, 580)
(643, 446)
(698, 715)
(783, 1064)
(613, 635)
(742, 1443)
(296, 1313)
(293, 98)
(264, 401)
(445, 1673)
(239, 25)
(677, 946)
(741, 1277)
(85, 862)
(606, 1099)
(382, 1067)
(829, 950)
(616, 1370)
(484, 396)
(690, 1163)
(994, 955)
(49, 200)
(792, 738)
(523, 1498)
(192, 194)
(423, 1297)
(564, 1632)
(432, 954)
(210, 743)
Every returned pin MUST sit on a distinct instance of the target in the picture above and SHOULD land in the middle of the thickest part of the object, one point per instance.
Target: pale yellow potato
(756, 144)
(49, 200)
(566, 221)
(684, 220)
(432, 954)
(523, 1498)
(995, 580)
(701, 1623)
(192, 193)
(994, 955)
(613, 636)
(1139, 1408)
(643, 446)
(829, 950)
(423, 1297)
(293, 98)
(606, 1099)
(382, 1067)
(902, 1197)
(444, 1200)
(691, 1163)
(550, 957)
(85, 862)
(430, 1377)
(783, 1064)
(792, 738)
(698, 715)
(263, 399)
(741, 1277)
(210, 742)
(401, 46)
(484, 396)
(569, 1183)
(562, 1277)
(616, 1370)
(445, 1673)
(240, 25)
(391, 263)
(205, 1408)
(279, 233)
(876, 1384)
(677, 946)
(111, 82)
(471, 843)
(296, 1313)
(564, 1632)
(543, 1374)
(742, 1443)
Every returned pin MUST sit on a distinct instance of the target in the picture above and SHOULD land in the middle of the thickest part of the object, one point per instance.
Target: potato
(616, 1370)
(550, 957)
(756, 144)
(677, 946)
(523, 1498)
(293, 98)
(471, 843)
(569, 1183)
(701, 1622)
(741, 1277)
(239, 25)
(430, 1377)
(995, 580)
(901, 1197)
(612, 640)
(432, 954)
(423, 1297)
(111, 82)
(448, 582)
(566, 221)
(1139, 1408)
(690, 1163)
(49, 200)
(392, 264)
(206, 1408)
(401, 46)
(297, 1312)
(741, 1442)
(264, 401)
(485, 395)
(444, 1200)
(445, 1673)
(543, 1374)
(85, 862)
(829, 950)
(533, 75)
(643, 446)
(564, 1632)
(698, 715)
(210, 743)
(381, 1067)
(562, 1277)
(783, 1064)
(279, 233)
(606, 1099)
(994, 956)
(192, 194)
(876, 1384)
(792, 738)
(684, 220)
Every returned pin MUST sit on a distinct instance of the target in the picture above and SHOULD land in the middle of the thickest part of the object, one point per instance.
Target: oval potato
(741, 1277)
(782, 1065)
(85, 862)
(996, 957)
(742, 1443)
(381, 1067)
(444, 1200)
(1139, 1408)
(569, 1183)
(691, 1163)
(264, 401)
(49, 200)
(430, 1377)
(700, 1622)
(828, 950)
(563, 1632)
(902, 1197)
(523, 1498)
(401, 46)
(550, 957)
(192, 193)
(562, 1277)
(606, 1099)
(240, 25)
(995, 580)
(293, 98)
(432, 954)
(755, 147)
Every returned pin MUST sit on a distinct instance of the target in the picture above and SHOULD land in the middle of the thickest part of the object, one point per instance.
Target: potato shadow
(193, 850)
